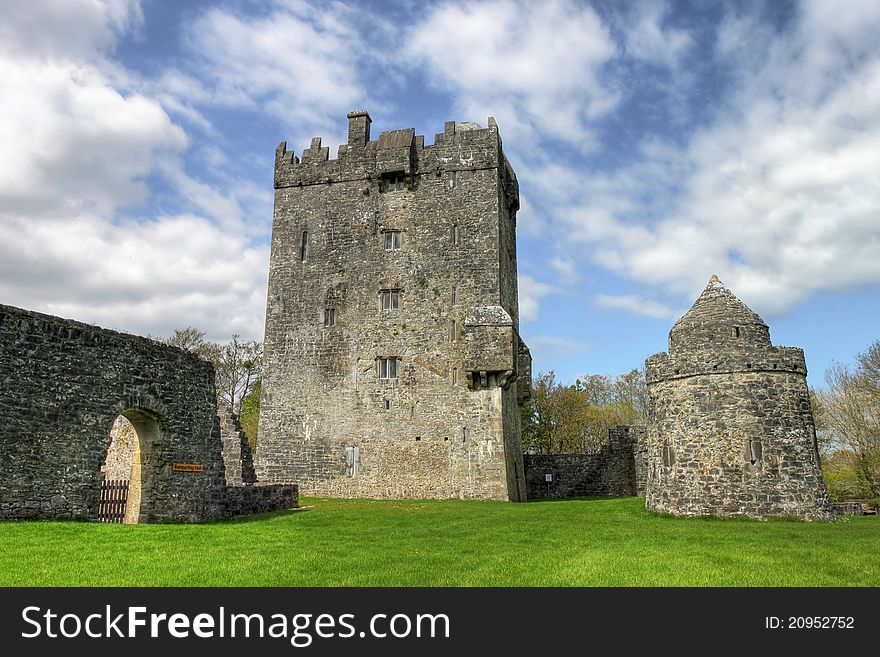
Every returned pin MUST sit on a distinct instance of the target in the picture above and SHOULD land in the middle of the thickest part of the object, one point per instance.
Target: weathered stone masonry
(393, 362)
(615, 469)
(730, 428)
(62, 385)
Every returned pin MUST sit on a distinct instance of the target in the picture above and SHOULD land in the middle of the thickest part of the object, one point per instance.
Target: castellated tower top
(718, 321)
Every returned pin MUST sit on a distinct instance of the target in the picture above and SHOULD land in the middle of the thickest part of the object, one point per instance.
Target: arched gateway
(64, 383)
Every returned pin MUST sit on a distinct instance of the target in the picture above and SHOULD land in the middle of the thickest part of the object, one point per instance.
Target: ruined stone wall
(731, 430)
(448, 424)
(62, 385)
(237, 456)
(259, 498)
(608, 471)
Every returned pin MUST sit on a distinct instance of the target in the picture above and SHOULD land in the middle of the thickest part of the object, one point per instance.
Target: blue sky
(655, 144)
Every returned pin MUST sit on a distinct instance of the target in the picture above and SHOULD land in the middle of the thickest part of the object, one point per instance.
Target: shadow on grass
(595, 498)
(259, 517)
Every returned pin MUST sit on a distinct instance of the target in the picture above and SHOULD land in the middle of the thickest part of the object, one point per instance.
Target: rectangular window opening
(456, 235)
(352, 460)
(393, 182)
(387, 368)
(387, 404)
(392, 240)
(453, 331)
(329, 316)
(390, 299)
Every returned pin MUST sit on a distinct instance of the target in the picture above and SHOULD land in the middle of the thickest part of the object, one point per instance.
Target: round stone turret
(730, 427)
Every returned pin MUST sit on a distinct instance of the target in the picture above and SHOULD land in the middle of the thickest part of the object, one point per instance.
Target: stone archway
(62, 386)
(130, 457)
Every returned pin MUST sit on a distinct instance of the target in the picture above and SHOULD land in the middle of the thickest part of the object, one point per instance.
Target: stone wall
(62, 386)
(434, 226)
(731, 430)
(610, 470)
(261, 498)
(237, 456)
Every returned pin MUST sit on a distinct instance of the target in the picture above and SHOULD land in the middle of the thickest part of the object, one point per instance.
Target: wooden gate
(114, 497)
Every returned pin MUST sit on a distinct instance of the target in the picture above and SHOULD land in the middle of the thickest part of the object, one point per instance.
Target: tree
(237, 364)
(238, 367)
(576, 418)
(249, 414)
(848, 418)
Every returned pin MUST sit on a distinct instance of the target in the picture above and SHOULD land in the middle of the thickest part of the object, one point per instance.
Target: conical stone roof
(718, 321)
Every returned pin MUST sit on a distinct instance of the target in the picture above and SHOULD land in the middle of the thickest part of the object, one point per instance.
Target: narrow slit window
(387, 404)
(390, 299)
(455, 296)
(756, 450)
(736, 331)
(329, 316)
(387, 368)
(668, 455)
(456, 235)
(304, 247)
(392, 240)
(352, 460)
(464, 434)
(453, 331)
(454, 376)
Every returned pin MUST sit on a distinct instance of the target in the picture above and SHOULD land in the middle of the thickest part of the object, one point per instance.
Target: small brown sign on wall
(187, 467)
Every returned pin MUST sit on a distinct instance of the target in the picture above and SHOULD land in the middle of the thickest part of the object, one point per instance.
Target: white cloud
(144, 277)
(72, 142)
(530, 294)
(557, 345)
(302, 64)
(779, 195)
(566, 269)
(84, 139)
(66, 28)
(636, 305)
(647, 38)
(535, 66)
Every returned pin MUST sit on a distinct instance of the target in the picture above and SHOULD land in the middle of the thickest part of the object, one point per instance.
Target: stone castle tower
(393, 362)
(730, 427)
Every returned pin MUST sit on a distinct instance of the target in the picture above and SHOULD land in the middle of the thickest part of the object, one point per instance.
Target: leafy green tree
(576, 418)
(848, 420)
(237, 363)
(249, 415)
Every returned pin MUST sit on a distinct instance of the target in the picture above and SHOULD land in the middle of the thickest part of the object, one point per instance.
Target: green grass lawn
(597, 542)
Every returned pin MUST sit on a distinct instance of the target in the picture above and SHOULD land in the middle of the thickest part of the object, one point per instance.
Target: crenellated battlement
(463, 146)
